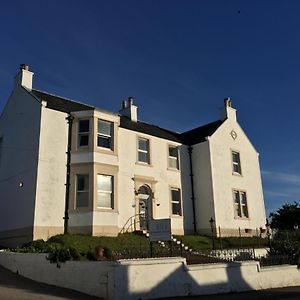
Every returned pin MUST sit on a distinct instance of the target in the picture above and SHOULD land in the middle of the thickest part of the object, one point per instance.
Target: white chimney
(129, 109)
(227, 112)
(24, 77)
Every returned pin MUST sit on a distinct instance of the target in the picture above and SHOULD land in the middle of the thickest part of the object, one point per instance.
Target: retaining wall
(150, 278)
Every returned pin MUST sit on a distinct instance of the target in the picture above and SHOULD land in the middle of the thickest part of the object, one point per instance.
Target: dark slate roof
(149, 129)
(191, 137)
(61, 104)
(198, 135)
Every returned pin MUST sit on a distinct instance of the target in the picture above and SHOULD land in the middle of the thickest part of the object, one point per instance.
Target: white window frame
(240, 207)
(86, 190)
(83, 133)
(174, 158)
(111, 193)
(143, 151)
(176, 202)
(238, 163)
(110, 137)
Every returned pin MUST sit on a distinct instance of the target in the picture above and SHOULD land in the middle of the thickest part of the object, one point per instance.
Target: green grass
(77, 246)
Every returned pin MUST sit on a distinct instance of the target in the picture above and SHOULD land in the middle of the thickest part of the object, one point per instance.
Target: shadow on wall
(182, 281)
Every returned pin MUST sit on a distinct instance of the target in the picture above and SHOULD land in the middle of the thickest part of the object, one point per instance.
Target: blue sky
(178, 59)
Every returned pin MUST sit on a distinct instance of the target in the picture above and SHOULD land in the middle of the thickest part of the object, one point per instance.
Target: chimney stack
(24, 77)
(228, 112)
(129, 109)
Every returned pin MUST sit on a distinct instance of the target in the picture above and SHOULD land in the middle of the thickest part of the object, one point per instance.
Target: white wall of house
(50, 193)
(157, 171)
(221, 146)
(203, 185)
(19, 130)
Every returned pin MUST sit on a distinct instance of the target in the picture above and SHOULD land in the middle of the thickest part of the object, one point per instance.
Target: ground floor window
(240, 204)
(82, 190)
(105, 191)
(175, 201)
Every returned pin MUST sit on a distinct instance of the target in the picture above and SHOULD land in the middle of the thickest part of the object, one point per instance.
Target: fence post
(240, 236)
(220, 238)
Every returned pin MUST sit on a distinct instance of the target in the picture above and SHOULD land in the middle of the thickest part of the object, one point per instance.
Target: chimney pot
(227, 102)
(24, 67)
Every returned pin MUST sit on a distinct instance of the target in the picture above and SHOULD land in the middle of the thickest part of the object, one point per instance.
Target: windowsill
(81, 210)
(173, 169)
(177, 216)
(108, 210)
(106, 151)
(242, 218)
(237, 174)
(143, 164)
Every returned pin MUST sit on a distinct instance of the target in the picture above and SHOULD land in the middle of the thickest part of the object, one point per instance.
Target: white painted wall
(224, 181)
(151, 278)
(20, 128)
(203, 185)
(158, 170)
(50, 194)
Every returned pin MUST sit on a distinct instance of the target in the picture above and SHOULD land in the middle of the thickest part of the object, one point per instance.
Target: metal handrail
(123, 230)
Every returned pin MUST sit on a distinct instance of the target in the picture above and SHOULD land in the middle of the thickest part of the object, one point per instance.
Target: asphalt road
(289, 293)
(15, 287)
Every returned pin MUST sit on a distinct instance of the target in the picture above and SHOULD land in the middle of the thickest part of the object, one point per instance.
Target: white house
(71, 167)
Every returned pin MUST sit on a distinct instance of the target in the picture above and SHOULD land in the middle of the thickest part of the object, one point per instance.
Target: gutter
(190, 150)
(70, 119)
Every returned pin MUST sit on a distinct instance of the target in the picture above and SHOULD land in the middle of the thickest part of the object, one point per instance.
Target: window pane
(176, 208)
(143, 157)
(173, 151)
(175, 195)
(104, 142)
(82, 192)
(104, 183)
(83, 140)
(143, 144)
(104, 127)
(82, 182)
(105, 200)
(236, 168)
(243, 198)
(245, 211)
(84, 126)
(235, 157)
(173, 163)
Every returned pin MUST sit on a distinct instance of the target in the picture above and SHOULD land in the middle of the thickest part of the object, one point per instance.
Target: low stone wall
(150, 278)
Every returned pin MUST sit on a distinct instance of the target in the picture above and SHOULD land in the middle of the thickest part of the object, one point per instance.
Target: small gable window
(236, 163)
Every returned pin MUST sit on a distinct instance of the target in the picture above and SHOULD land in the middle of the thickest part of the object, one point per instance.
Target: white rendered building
(70, 167)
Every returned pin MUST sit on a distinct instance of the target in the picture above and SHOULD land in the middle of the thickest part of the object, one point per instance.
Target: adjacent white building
(68, 166)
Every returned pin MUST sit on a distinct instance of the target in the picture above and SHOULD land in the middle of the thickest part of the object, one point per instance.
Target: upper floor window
(236, 163)
(105, 191)
(105, 134)
(175, 201)
(143, 150)
(173, 157)
(240, 204)
(82, 190)
(83, 133)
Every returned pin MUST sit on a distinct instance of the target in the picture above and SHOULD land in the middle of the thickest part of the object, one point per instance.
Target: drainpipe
(190, 149)
(67, 195)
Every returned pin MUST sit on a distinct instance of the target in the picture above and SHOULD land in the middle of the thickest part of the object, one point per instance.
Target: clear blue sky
(178, 59)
